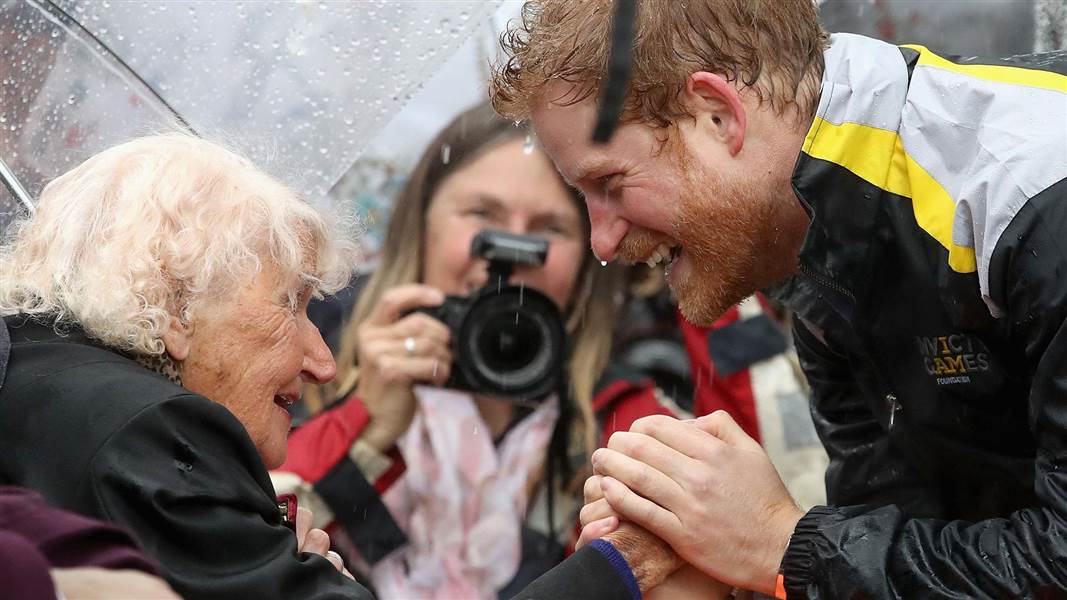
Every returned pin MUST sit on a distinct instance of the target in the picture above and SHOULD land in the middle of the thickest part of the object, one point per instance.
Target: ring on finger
(409, 345)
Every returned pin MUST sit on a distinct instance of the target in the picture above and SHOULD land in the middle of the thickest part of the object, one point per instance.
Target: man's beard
(721, 228)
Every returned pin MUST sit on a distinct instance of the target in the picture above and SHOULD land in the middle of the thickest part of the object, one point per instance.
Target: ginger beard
(721, 229)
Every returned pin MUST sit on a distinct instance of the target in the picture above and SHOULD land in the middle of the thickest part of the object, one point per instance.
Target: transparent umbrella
(299, 87)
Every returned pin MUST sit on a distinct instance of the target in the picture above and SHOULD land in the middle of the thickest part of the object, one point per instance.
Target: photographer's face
(510, 190)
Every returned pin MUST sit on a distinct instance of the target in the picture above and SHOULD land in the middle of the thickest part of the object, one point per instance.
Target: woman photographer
(445, 494)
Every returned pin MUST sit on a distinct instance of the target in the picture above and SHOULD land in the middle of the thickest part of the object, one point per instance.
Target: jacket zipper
(825, 282)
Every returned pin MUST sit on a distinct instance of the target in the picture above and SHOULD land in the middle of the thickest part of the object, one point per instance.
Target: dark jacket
(931, 299)
(98, 434)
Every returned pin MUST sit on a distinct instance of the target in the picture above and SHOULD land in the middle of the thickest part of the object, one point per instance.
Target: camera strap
(620, 64)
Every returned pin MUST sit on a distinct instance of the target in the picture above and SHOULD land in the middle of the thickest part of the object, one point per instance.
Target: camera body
(507, 340)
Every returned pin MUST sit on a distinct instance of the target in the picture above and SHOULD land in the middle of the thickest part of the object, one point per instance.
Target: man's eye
(611, 183)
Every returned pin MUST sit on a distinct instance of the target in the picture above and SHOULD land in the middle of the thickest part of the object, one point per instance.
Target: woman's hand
(654, 574)
(316, 541)
(396, 350)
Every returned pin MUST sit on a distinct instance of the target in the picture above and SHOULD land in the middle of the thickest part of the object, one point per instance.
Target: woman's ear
(177, 339)
(717, 108)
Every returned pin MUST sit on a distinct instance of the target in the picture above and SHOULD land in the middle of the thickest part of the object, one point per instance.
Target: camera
(507, 340)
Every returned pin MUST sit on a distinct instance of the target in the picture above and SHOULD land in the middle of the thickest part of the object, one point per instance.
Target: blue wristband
(622, 568)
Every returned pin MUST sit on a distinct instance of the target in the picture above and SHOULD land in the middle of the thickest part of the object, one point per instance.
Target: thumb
(721, 425)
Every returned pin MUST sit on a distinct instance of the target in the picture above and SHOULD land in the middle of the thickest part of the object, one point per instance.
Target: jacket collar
(862, 95)
(27, 329)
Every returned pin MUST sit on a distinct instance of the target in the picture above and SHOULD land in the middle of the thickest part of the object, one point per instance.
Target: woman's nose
(319, 366)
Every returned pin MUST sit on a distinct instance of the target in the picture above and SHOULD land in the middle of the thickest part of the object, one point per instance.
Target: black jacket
(932, 299)
(98, 434)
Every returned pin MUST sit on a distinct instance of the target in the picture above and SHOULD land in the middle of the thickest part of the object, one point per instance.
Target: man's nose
(606, 228)
(319, 366)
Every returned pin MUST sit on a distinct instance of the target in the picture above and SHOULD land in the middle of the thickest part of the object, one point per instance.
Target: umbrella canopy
(299, 87)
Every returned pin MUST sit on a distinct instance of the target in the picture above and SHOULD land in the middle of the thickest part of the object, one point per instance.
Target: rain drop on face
(603, 263)
(528, 145)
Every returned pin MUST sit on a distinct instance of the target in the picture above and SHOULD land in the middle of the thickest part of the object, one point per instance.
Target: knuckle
(648, 424)
(617, 440)
(390, 301)
(591, 490)
(585, 514)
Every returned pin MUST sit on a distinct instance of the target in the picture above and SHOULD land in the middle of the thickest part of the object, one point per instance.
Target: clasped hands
(695, 507)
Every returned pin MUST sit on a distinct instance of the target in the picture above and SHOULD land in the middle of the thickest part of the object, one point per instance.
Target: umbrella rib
(58, 12)
(12, 183)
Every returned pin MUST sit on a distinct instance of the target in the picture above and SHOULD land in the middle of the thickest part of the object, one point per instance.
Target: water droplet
(446, 152)
(528, 145)
(603, 263)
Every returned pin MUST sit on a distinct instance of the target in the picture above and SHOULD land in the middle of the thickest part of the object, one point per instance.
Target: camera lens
(510, 344)
(515, 343)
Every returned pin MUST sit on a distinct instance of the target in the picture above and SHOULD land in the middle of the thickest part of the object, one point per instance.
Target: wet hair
(589, 316)
(157, 228)
(773, 47)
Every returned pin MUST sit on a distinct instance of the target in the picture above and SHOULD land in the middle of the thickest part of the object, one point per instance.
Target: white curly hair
(155, 228)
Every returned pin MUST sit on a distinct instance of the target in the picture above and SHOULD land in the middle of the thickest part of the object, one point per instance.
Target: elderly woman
(156, 310)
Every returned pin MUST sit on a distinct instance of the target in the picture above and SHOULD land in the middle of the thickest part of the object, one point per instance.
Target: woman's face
(254, 356)
(505, 188)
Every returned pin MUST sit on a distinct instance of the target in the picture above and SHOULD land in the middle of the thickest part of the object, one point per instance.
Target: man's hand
(316, 541)
(707, 489)
(600, 521)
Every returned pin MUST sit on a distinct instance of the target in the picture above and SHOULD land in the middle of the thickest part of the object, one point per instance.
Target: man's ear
(177, 339)
(717, 108)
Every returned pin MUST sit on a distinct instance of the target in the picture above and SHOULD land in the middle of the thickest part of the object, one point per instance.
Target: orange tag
(779, 587)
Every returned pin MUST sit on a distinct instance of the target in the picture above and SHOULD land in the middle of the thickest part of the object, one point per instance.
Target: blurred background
(335, 98)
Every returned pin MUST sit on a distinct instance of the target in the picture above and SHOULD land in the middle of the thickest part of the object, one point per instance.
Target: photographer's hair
(773, 47)
(155, 228)
(470, 135)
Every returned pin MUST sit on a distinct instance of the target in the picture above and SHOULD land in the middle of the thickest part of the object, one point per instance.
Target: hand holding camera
(398, 347)
(503, 340)
(508, 341)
